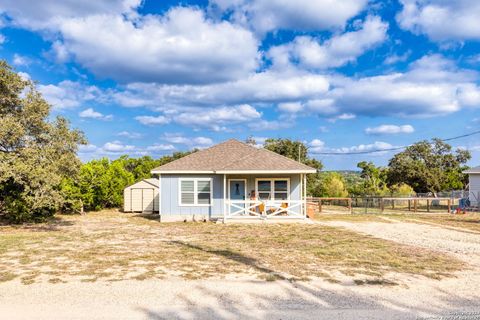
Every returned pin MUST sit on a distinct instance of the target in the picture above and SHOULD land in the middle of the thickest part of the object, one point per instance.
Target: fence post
(415, 204)
(320, 206)
(382, 205)
(428, 205)
(409, 205)
(449, 205)
(350, 205)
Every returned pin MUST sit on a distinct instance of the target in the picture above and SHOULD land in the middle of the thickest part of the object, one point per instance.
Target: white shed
(141, 196)
(474, 186)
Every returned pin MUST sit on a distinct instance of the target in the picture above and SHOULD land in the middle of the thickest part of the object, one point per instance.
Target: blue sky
(154, 77)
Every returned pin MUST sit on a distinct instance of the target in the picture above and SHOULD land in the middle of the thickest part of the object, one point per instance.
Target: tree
(374, 179)
(297, 151)
(251, 141)
(100, 183)
(331, 184)
(35, 154)
(429, 167)
(401, 189)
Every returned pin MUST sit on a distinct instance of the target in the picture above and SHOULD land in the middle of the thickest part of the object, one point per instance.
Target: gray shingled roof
(473, 170)
(233, 155)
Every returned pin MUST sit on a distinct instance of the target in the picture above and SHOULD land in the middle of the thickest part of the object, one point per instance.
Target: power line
(393, 149)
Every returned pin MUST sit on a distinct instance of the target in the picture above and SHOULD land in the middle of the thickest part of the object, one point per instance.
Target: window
(195, 192)
(264, 189)
(273, 189)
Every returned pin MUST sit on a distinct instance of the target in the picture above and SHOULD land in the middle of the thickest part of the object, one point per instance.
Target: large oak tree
(429, 167)
(36, 153)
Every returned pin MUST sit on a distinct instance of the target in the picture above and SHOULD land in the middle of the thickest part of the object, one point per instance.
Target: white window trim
(195, 192)
(272, 191)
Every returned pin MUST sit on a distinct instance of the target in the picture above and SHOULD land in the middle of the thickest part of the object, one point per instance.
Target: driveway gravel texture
(236, 298)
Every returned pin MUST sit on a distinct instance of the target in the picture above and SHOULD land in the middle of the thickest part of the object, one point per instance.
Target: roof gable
(233, 155)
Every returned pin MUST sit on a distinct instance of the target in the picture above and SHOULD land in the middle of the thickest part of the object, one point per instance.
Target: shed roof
(233, 156)
(473, 170)
(151, 181)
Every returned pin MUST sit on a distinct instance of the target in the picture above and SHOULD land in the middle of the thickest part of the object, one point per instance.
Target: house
(141, 196)
(474, 186)
(233, 180)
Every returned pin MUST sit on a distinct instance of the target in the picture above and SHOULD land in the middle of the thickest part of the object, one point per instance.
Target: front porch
(264, 197)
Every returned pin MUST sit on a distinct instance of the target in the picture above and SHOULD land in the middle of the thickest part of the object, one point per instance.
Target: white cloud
(395, 58)
(389, 129)
(151, 120)
(316, 145)
(130, 135)
(203, 141)
(334, 52)
(379, 146)
(24, 76)
(117, 146)
(48, 14)
(20, 60)
(442, 20)
(68, 94)
(92, 114)
(189, 141)
(219, 118)
(342, 116)
(160, 147)
(301, 15)
(432, 86)
(182, 46)
(292, 107)
(89, 148)
(264, 87)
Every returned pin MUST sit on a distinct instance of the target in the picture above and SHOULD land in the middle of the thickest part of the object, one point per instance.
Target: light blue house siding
(169, 193)
(169, 196)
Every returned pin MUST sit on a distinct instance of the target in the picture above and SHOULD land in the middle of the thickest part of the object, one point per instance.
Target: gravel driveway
(463, 245)
(238, 299)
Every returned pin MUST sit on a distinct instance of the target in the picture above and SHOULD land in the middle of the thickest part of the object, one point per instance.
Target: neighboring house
(233, 180)
(474, 186)
(141, 196)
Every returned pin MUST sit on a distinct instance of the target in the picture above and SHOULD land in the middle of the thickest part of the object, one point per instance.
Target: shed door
(136, 199)
(148, 200)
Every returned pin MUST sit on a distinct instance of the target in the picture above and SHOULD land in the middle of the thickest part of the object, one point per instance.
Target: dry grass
(113, 246)
(351, 217)
(468, 221)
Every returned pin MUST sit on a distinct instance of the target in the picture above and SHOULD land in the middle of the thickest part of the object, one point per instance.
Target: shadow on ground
(301, 301)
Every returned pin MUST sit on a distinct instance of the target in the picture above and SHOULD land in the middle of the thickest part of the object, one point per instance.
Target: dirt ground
(348, 288)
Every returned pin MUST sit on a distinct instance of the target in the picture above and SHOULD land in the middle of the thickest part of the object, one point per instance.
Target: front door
(237, 192)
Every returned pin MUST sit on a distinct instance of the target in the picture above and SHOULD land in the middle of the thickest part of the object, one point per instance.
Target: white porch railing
(266, 209)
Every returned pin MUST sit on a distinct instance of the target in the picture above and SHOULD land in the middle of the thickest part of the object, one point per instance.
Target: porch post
(304, 195)
(159, 198)
(224, 198)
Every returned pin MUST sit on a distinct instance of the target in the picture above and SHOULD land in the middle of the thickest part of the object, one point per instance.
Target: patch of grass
(354, 217)
(7, 276)
(374, 282)
(115, 246)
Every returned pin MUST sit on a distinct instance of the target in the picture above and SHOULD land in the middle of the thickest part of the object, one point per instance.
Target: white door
(136, 198)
